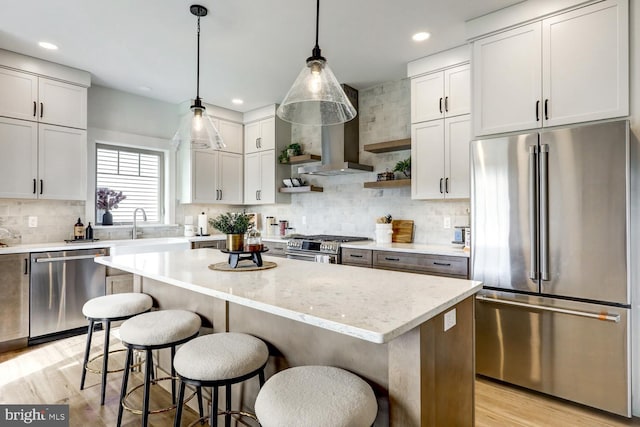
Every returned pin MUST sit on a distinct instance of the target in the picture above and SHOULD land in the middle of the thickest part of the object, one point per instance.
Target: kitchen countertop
(416, 248)
(373, 305)
(62, 246)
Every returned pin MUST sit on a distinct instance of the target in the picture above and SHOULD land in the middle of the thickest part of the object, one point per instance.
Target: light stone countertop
(415, 248)
(373, 305)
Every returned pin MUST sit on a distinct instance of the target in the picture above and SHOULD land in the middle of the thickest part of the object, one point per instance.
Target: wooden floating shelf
(385, 147)
(394, 183)
(303, 189)
(304, 158)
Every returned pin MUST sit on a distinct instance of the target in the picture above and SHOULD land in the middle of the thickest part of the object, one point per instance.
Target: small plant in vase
(108, 199)
(234, 225)
(404, 166)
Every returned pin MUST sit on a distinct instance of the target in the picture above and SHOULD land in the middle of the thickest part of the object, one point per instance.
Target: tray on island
(236, 256)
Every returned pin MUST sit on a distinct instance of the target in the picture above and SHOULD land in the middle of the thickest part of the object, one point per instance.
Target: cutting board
(402, 231)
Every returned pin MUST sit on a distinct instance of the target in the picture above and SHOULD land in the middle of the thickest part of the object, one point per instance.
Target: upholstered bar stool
(152, 331)
(316, 396)
(219, 360)
(107, 309)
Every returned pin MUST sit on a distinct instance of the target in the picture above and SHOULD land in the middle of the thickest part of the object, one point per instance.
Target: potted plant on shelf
(234, 225)
(291, 150)
(107, 199)
(404, 166)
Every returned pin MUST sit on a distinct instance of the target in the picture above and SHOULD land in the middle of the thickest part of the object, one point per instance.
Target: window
(138, 174)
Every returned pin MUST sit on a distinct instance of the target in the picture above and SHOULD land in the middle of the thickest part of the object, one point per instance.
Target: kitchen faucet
(134, 234)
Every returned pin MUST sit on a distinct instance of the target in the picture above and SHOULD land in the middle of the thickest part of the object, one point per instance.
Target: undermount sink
(150, 245)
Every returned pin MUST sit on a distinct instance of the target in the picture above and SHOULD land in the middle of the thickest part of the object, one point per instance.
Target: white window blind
(138, 174)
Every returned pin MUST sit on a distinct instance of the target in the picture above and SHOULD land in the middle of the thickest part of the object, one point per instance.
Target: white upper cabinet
(507, 81)
(260, 176)
(62, 160)
(29, 97)
(260, 135)
(19, 159)
(441, 94)
(231, 134)
(230, 178)
(569, 68)
(440, 158)
(209, 176)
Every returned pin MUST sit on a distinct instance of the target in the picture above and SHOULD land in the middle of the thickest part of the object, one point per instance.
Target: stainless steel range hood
(340, 146)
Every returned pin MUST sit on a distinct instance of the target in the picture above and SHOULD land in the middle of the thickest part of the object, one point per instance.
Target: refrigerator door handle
(544, 211)
(608, 317)
(533, 212)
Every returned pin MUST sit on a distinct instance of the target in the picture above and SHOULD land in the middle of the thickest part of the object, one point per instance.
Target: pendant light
(198, 128)
(316, 97)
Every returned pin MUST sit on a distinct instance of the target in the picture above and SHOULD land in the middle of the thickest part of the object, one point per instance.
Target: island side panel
(294, 343)
(440, 390)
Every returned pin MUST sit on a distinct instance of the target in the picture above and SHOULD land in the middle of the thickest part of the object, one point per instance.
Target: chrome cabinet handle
(599, 316)
(446, 103)
(533, 212)
(544, 211)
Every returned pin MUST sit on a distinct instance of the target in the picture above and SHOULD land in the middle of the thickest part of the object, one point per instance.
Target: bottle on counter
(88, 232)
(253, 241)
(78, 230)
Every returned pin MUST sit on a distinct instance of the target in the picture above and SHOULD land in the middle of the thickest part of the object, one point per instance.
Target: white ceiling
(250, 49)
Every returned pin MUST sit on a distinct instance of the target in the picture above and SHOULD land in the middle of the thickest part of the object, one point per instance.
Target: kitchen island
(410, 336)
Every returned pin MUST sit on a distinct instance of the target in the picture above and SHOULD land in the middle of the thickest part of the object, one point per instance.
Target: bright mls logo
(34, 415)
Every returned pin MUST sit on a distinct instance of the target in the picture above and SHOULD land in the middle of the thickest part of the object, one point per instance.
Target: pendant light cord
(198, 66)
(317, 21)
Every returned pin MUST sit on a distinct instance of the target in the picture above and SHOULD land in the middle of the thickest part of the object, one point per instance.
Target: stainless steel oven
(318, 248)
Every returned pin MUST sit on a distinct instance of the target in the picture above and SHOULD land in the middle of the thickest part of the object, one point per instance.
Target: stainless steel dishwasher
(61, 282)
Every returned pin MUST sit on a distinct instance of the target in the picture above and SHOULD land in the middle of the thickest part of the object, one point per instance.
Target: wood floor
(50, 373)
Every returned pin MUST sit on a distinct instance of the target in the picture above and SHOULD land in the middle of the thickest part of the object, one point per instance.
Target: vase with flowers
(108, 199)
(234, 225)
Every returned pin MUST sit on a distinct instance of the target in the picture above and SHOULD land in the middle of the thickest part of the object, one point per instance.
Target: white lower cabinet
(440, 159)
(208, 176)
(260, 178)
(42, 161)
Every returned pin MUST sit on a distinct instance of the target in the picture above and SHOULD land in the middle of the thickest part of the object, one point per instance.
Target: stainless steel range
(319, 248)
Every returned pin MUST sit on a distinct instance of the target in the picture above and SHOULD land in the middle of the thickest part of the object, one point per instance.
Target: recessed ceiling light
(47, 45)
(144, 88)
(419, 37)
(237, 101)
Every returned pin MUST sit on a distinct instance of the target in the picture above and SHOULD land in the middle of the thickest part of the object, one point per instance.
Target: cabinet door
(427, 97)
(267, 177)
(457, 134)
(14, 286)
(231, 135)
(19, 95)
(507, 81)
(230, 177)
(62, 163)
(251, 135)
(18, 158)
(62, 104)
(204, 173)
(586, 64)
(427, 165)
(252, 178)
(267, 134)
(457, 91)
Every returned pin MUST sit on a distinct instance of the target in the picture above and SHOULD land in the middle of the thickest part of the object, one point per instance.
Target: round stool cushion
(316, 396)
(159, 327)
(220, 356)
(117, 305)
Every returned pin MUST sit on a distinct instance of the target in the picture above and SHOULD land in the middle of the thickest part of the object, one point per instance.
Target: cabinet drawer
(420, 263)
(359, 257)
(276, 249)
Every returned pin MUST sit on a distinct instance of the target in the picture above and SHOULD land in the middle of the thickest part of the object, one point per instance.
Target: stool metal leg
(178, 418)
(125, 380)
(86, 354)
(261, 377)
(173, 375)
(147, 384)
(200, 407)
(213, 416)
(105, 359)
(227, 417)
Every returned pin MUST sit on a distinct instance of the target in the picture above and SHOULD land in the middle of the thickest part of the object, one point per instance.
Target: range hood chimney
(340, 146)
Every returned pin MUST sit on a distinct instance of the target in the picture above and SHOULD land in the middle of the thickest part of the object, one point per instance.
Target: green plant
(283, 157)
(297, 149)
(231, 223)
(404, 166)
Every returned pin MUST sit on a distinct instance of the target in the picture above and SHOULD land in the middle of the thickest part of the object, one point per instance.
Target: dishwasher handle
(68, 258)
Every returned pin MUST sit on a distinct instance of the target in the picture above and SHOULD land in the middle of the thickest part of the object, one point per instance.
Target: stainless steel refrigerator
(550, 241)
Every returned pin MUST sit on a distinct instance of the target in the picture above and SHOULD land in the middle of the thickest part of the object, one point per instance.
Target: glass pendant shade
(198, 130)
(316, 98)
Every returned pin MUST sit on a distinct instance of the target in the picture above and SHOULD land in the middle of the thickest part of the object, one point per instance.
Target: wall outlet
(447, 222)
(33, 221)
(449, 319)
